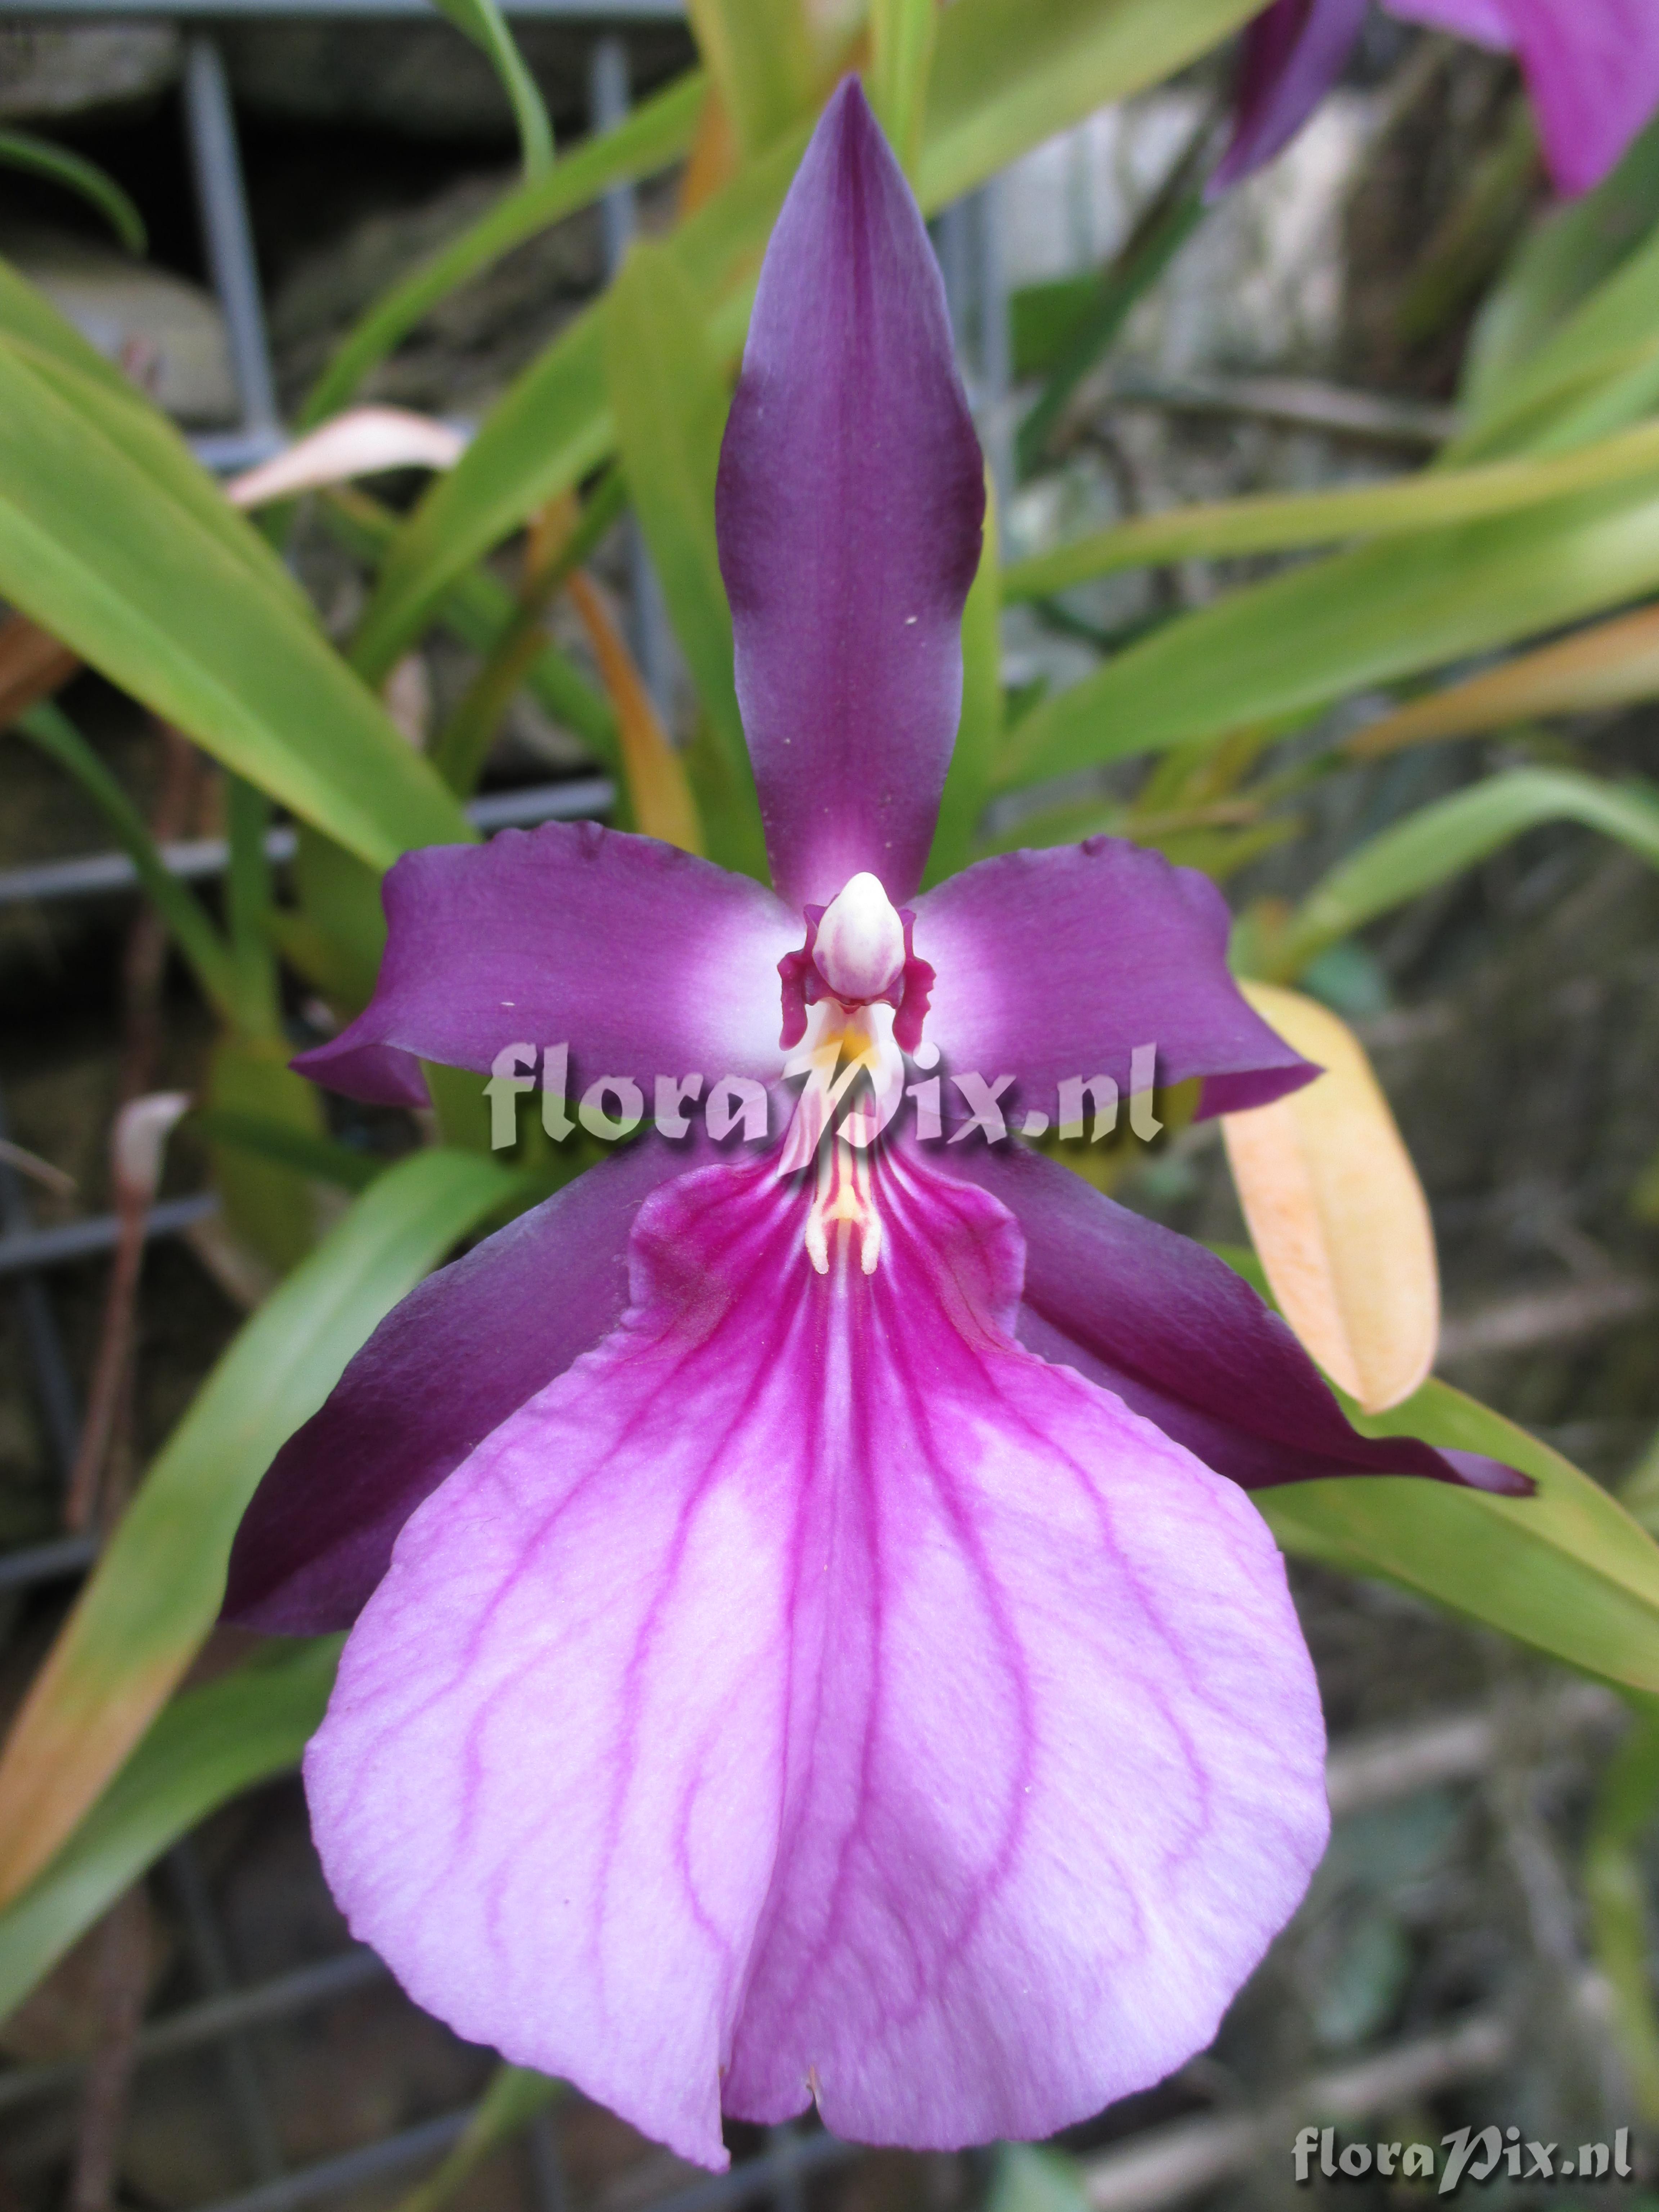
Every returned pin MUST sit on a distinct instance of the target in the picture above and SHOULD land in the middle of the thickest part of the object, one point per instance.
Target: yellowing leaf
(1336, 1213)
(1609, 665)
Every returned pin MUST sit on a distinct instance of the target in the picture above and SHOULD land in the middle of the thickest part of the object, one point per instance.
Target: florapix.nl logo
(1488, 2153)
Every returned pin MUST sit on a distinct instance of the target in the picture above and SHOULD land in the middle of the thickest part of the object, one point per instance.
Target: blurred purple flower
(1591, 67)
(812, 1637)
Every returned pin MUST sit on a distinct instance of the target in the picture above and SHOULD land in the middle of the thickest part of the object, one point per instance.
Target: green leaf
(1610, 333)
(26, 313)
(514, 2099)
(154, 1593)
(1382, 611)
(186, 919)
(978, 732)
(1032, 2178)
(269, 1138)
(903, 37)
(1577, 245)
(765, 59)
(151, 576)
(1006, 75)
(656, 133)
(668, 396)
(1439, 841)
(483, 22)
(269, 1204)
(206, 1748)
(20, 149)
(1567, 1570)
(1271, 522)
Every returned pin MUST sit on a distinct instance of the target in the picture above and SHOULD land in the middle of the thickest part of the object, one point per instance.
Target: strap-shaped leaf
(112, 539)
(669, 396)
(156, 1588)
(1368, 617)
(483, 22)
(21, 150)
(207, 1747)
(768, 60)
(1566, 1571)
(1439, 841)
(657, 132)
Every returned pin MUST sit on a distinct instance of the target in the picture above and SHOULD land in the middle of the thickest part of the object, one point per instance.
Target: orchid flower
(813, 1639)
(1591, 68)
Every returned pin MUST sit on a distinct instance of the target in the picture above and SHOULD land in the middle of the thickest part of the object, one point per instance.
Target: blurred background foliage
(1324, 558)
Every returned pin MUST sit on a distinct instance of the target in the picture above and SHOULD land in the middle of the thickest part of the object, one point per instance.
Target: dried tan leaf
(1336, 1213)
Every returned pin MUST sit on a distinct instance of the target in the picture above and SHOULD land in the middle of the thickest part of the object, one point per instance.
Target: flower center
(854, 999)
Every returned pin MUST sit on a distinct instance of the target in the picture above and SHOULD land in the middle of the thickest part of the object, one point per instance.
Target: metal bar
(353, 2169)
(45, 1563)
(24, 1249)
(196, 858)
(227, 232)
(211, 1961)
(194, 2025)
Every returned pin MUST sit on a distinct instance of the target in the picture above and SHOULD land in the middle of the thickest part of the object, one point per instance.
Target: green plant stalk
(1277, 522)
(21, 150)
(654, 135)
(186, 919)
(463, 745)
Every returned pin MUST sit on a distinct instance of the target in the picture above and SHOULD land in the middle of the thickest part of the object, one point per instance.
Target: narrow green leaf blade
(1438, 841)
(483, 22)
(1567, 1571)
(207, 1747)
(1368, 617)
(175, 603)
(156, 1588)
(658, 132)
(669, 397)
(21, 150)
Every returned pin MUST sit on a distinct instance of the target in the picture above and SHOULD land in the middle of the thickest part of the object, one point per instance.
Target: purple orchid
(813, 1639)
(1591, 68)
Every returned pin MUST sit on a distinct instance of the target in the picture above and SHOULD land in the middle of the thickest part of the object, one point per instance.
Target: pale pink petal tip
(812, 1691)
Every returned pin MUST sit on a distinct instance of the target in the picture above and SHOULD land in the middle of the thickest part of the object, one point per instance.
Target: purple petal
(850, 496)
(1291, 56)
(645, 960)
(1059, 963)
(466, 1348)
(1184, 1341)
(812, 1691)
(1591, 67)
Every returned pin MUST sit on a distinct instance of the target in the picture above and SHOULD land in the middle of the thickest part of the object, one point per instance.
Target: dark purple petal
(462, 1351)
(1291, 54)
(644, 960)
(1059, 963)
(850, 497)
(1184, 1340)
